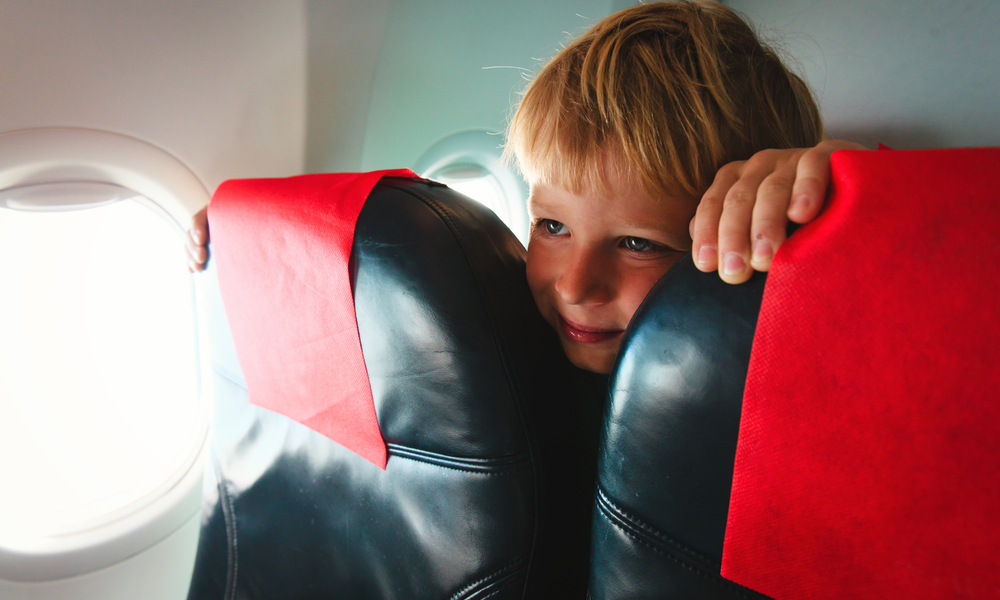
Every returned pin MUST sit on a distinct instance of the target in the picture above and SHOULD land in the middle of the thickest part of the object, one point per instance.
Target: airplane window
(98, 362)
(478, 184)
(469, 162)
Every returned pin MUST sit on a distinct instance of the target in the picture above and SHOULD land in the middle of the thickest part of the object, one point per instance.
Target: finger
(196, 241)
(704, 227)
(195, 258)
(737, 218)
(767, 230)
(199, 227)
(812, 179)
(192, 265)
(195, 251)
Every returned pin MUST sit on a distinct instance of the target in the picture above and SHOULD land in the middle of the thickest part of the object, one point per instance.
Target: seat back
(669, 440)
(865, 418)
(465, 374)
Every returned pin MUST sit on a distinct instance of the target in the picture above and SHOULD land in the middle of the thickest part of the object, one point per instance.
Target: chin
(597, 360)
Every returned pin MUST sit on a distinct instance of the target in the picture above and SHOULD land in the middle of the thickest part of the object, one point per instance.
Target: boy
(620, 135)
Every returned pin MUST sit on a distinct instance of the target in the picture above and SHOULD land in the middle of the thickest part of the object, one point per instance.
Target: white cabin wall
(906, 73)
(220, 84)
(344, 39)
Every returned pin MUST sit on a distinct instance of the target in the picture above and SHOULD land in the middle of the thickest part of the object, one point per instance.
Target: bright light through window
(98, 366)
(484, 189)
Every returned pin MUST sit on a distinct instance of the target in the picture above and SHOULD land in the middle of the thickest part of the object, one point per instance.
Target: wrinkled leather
(669, 440)
(476, 499)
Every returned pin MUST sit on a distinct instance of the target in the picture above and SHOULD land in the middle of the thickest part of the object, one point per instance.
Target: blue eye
(553, 227)
(638, 244)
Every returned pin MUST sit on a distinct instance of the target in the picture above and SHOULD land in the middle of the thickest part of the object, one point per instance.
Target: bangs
(566, 151)
(559, 136)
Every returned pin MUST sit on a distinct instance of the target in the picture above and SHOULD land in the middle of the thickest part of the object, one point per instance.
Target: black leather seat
(669, 440)
(484, 494)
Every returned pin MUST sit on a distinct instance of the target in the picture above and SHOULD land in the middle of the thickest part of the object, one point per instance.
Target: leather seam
(499, 589)
(652, 530)
(729, 587)
(514, 566)
(519, 469)
(485, 464)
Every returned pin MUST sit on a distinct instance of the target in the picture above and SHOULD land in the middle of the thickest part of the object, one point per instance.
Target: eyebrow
(532, 201)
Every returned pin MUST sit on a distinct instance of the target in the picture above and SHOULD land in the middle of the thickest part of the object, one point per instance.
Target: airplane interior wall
(449, 66)
(905, 73)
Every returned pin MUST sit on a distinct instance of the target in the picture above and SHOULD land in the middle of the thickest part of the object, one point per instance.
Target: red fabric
(282, 248)
(867, 463)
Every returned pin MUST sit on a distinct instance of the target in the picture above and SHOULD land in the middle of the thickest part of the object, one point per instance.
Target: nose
(587, 279)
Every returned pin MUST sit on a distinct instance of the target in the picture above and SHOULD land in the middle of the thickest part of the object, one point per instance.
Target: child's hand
(741, 219)
(197, 241)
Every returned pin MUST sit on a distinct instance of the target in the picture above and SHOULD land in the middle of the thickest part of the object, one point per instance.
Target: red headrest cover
(282, 249)
(867, 464)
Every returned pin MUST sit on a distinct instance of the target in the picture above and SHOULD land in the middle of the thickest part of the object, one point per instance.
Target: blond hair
(664, 93)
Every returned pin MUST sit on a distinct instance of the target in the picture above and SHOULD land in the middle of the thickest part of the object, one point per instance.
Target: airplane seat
(831, 435)
(479, 497)
(669, 440)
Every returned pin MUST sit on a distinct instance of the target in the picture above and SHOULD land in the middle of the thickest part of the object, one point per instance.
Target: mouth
(587, 335)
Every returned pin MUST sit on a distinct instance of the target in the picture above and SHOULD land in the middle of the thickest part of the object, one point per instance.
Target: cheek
(541, 270)
(637, 286)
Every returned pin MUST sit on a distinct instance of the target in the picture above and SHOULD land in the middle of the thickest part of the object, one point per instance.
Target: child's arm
(196, 243)
(741, 219)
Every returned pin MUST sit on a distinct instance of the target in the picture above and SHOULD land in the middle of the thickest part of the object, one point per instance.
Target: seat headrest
(479, 495)
(669, 439)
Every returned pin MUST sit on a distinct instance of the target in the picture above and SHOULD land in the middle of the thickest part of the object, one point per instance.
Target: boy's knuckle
(761, 158)
(730, 170)
(709, 204)
(738, 198)
(775, 184)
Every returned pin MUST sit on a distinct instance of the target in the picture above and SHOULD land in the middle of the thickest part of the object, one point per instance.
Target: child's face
(592, 258)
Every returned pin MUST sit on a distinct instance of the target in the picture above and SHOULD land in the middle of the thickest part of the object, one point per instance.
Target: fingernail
(706, 254)
(801, 202)
(733, 264)
(762, 250)
(198, 235)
